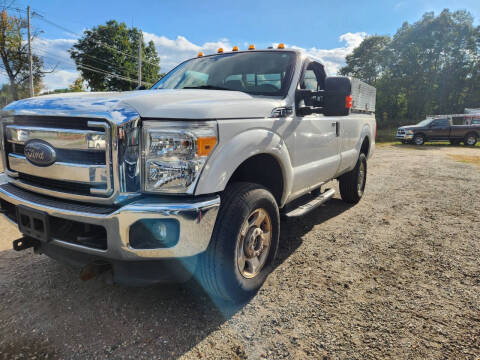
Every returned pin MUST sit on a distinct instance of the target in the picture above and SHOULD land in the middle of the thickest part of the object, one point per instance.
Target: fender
(366, 132)
(349, 157)
(229, 155)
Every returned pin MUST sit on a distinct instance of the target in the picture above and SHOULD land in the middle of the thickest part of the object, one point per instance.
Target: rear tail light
(348, 102)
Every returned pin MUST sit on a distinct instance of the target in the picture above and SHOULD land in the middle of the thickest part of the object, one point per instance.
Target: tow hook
(24, 243)
(95, 269)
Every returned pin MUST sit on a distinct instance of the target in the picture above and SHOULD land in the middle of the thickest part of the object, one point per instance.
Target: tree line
(429, 67)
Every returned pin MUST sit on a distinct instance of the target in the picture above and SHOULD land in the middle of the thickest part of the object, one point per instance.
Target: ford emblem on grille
(40, 153)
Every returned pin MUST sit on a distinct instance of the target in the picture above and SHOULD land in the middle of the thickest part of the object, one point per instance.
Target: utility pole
(30, 53)
(140, 41)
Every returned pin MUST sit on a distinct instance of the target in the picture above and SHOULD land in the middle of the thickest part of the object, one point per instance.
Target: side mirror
(310, 106)
(337, 96)
(141, 87)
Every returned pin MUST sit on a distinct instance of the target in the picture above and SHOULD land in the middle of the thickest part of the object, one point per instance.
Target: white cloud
(54, 51)
(174, 51)
(59, 79)
(333, 59)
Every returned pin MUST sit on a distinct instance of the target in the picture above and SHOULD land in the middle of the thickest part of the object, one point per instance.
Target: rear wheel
(470, 139)
(243, 245)
(352, 184)
(419, 139)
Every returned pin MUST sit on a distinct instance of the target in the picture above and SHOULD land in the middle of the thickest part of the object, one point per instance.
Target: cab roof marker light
(251, 47)
(220, 51)
(235, 48)
(200, 54)
(281, 46)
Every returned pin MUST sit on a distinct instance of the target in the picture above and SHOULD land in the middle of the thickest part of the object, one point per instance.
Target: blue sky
(328, 29)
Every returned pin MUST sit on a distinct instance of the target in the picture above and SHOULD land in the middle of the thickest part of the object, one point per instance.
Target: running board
(311, 205)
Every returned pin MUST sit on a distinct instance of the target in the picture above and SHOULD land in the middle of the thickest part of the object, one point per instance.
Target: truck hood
(170, 104)
(410, 127)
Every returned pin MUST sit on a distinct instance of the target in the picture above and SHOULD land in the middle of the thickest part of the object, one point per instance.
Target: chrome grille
(83, 155)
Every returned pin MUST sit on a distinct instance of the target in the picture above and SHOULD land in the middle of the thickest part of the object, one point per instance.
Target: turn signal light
(281, 46)
(251, 47)
(205, 145)
(348, 102)
(235, 48)
(220, 50)
(200, 54)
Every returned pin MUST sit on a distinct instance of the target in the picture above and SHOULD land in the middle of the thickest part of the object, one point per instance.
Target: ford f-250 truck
(190, 176)
(442, 128)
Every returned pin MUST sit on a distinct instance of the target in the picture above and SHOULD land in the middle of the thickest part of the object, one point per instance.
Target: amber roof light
(251, 47)
(281, 46)
(235, 48)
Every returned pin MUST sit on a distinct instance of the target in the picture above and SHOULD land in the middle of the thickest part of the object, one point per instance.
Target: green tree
(428, 67)
(106, 56)
(77, 85)
(14, 57)
(367, 61)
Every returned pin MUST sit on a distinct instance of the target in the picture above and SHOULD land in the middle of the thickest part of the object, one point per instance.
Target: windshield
(425, 122)
(258, 73)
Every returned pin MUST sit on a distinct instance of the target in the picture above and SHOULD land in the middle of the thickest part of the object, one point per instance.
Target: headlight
(174, 154)
(409, 132)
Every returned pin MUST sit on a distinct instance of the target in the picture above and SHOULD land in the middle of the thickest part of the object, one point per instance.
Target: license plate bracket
(33, 223)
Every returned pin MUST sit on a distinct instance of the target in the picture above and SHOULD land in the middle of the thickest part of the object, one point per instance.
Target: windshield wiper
(208, 87)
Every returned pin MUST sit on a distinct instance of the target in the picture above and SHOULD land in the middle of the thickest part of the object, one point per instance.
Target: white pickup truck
(189, 177)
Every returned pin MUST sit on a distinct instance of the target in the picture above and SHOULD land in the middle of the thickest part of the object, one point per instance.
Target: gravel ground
(396, 276)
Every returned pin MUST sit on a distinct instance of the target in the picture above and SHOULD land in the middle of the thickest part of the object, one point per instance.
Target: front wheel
(419, 139)
(243, 245)
(352, 184)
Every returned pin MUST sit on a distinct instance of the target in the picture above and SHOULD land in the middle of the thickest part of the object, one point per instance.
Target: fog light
(154, 233)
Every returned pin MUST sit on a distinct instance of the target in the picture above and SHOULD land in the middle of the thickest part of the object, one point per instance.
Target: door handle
(337, 128)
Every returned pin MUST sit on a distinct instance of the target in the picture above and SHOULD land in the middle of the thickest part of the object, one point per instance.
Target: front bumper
(404, 136)
(196, 218)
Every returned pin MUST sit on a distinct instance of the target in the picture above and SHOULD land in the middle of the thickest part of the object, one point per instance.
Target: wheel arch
(244, 152)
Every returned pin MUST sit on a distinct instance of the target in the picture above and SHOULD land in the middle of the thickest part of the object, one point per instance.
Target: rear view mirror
(337, 96)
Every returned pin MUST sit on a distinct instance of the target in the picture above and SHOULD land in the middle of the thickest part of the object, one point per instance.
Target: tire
(470, 139)
(419, 139)
(454, 142)
(352, 184)
(404, 142)
(225, 269)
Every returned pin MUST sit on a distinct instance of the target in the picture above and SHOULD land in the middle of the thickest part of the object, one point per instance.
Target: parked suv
(191, 176)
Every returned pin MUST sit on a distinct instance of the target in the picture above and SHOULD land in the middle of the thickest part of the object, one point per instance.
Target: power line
(94, 69)
(98, 42)
(43, 52)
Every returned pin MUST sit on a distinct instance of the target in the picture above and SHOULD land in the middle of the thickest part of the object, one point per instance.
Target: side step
(311, 205)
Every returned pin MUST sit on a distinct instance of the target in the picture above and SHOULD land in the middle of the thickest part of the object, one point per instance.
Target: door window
(313, 79)
(441, 123)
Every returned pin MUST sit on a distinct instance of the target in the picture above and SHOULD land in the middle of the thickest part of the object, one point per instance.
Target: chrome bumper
(196, 218)
(404, 136)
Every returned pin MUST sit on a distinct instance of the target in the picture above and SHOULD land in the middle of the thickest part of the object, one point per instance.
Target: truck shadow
(92, 319)
(293, 230)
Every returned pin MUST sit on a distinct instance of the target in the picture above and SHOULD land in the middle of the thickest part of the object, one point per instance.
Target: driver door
(317, 147)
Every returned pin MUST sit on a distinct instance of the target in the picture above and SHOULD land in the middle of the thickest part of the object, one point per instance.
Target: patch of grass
(386, 135)
(475, 160)
(386, 143)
